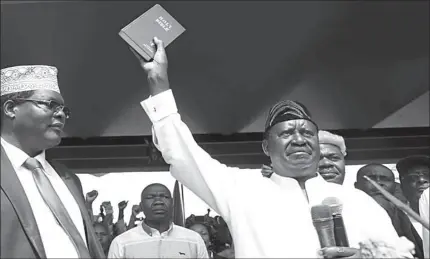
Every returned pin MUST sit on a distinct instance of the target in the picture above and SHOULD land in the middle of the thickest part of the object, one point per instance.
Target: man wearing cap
(267, 216)
(43, 213)
(332, 157)
(414, 179)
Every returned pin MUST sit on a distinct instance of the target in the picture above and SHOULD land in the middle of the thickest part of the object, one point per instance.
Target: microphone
(323, 222)
(336, 207)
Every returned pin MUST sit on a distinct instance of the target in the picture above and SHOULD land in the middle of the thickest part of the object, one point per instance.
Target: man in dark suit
(385, 178)
(43, 212)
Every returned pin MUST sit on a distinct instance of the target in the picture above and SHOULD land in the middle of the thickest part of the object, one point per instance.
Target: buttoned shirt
(268, 217)
(146, 242)
(56, 242)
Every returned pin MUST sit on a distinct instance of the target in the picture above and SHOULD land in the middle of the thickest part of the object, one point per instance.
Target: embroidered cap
(27, 78)
(285, 111)
(326, 137)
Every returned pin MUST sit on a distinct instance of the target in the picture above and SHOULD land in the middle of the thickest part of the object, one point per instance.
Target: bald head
(378, 173)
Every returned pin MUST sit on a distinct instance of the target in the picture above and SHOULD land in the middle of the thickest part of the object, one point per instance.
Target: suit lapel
(14, 191)
(73, 184)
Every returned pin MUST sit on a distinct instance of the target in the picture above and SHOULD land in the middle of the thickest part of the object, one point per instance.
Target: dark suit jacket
(20, 237)
(404, 227)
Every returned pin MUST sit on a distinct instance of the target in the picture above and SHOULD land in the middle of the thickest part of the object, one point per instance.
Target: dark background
(352, 63)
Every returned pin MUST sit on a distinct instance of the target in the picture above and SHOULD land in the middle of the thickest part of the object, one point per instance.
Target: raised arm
(189, 164)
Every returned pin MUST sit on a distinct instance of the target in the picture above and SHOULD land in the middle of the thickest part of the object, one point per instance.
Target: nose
(298, 139)
(59, 114)
(158, 202)
(380, 180)
(325, 163)
(423, 180)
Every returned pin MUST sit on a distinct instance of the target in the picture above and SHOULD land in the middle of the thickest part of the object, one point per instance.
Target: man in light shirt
(424, 213)
(267, 216)
(43, 213)
(157, 236)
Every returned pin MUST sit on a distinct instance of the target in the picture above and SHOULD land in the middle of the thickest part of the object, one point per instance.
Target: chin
(52, 140)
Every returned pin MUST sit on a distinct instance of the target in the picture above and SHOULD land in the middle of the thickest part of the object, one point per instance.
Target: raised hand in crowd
(135, 210)
(91, 196)
(108, 219)
(89, 199)
(120, 226)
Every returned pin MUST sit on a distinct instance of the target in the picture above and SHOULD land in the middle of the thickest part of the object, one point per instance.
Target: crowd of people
(213, 230)
(272, 214)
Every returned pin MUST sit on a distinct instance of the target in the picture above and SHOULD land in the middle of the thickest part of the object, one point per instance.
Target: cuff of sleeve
(160, 106)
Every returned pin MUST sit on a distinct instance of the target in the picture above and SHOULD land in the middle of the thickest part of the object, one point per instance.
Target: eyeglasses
(48, 105)
(416, 176)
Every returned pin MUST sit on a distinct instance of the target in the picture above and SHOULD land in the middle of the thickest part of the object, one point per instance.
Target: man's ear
(9, 109)
(265, 147)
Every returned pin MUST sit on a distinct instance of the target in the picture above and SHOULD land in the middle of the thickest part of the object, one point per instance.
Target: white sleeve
(210, 180)
(202, 251)
(115, 250)
(424, 213)
(377, 222)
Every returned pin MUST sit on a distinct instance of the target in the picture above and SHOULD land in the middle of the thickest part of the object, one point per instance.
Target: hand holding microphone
(324, 224)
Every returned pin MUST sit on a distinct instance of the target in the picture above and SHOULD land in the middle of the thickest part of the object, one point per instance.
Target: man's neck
(161, 226)
(414, 206)
(13, 140)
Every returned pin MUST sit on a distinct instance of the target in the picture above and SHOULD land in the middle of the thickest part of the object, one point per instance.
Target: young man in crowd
(157, 236)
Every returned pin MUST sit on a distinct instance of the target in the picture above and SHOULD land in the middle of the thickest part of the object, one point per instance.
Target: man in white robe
(267, 216)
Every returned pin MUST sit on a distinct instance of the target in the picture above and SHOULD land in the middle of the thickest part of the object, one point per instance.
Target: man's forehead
(157, 189)
(421, 168)
(375, 170)
(293, 124)
(47, 95)
(330, 148)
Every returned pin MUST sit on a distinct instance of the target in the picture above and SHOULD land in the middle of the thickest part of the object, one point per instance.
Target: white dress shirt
(56, 242)
(268, 217)
(424, 213)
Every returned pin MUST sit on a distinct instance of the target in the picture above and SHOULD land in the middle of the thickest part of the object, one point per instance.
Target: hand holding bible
(156, 69)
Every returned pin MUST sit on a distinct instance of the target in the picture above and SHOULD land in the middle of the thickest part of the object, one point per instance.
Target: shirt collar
(151, 231)
(17, 157)
(289, 181)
